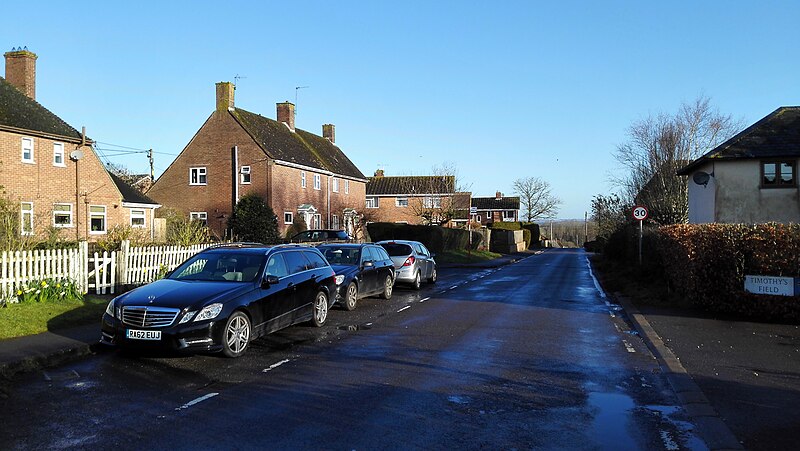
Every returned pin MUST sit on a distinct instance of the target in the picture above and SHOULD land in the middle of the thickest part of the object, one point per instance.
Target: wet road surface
(528, 356)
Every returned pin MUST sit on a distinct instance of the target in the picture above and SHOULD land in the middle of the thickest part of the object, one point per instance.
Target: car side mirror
(369, 264)
(269, 280)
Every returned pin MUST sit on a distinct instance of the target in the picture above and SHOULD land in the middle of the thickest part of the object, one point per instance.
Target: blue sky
(502, 90)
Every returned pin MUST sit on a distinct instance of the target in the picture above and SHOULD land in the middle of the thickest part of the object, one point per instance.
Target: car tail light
(409, 261)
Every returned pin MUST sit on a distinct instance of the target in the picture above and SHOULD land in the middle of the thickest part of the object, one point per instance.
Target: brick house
(51, 170)
(498, 208)
(415, 199)
(236, 152)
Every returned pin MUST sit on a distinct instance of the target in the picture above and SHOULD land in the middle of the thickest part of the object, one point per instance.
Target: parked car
(362, 270)
(413, 262)
(222, 298)
(320, 236)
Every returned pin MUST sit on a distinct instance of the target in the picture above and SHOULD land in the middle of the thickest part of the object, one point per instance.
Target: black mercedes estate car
(222, 298)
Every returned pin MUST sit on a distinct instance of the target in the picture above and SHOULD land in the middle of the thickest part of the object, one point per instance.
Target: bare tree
(657, 147)
(437, 198)
(535, 198)
(609, 213)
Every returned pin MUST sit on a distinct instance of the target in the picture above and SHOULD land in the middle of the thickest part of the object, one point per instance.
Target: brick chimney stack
(379, 173)
(329, 132)
(498, 195)
(225, 90)
(21, 70)
(286, 114)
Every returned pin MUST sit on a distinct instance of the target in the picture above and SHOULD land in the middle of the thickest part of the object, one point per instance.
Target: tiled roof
(129, 193)
(20, 111)
(491, 203)
(410, 185)
(301, 147)
(775, 136)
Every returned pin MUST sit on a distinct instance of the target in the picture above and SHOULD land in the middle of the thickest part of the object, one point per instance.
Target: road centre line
(628, 346)
(195, 401)
(454, 287)
(404, 308)
(275, 365)
(423, 300)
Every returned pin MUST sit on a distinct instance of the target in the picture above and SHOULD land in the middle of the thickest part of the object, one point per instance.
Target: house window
(347, 186)
(778, 174)
(288, 217)
(334, 222)
(27, 150)
(372, 202)
(303, 179)
(508, 216)
(26, 218)
(137, 218)
(197, 176)
(97, 219)
(335, 185)
(401, 201)
(201, 216)
(432, 202)
(62, 215)
(58, 154)
(317, 182)
(245, 175)
(478, 218)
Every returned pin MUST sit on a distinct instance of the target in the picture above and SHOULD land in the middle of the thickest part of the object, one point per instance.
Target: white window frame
(199, 216)
(93, 215)
(68, 213)
(245, 178)
(303, 179)
(347, 186)
(28, 149)
(317, 182)
(335, 185)
(288, 217)
(334, 221)
(508, 216)
(58, 152)
(26, 218)
(316, 221)
(432, 202)
(401, 202)
(200, 173)
(373, 202)
(139, 213)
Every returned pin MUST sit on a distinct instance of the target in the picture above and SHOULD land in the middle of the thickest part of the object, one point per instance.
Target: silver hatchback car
(413, 262)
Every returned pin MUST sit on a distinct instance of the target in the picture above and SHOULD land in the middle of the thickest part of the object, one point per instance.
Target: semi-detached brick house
(236, 152)
(498, 208)
(50, 169)
(419, 199)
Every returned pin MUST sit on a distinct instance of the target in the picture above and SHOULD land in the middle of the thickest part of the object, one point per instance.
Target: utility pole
(152, 172)
(585, 227)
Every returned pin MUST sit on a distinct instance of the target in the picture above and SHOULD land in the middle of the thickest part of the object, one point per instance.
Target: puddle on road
(610, 421)
(456, 399)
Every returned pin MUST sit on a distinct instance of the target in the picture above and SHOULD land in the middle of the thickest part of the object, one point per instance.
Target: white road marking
(404, 308)
(454, 287)
(369, 324)
(195, 401)
(596, 283)
(628, 346)
(275, 365)
(423, 300)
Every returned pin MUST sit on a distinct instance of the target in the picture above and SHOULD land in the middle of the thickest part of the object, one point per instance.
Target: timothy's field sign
(777, 286)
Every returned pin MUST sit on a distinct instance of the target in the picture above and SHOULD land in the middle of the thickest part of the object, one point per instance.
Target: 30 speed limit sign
(639, 213)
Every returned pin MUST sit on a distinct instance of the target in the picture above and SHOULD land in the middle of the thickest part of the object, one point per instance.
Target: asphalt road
(530, 355)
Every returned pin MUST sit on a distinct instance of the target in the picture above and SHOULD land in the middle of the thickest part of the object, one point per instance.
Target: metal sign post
(640, 214)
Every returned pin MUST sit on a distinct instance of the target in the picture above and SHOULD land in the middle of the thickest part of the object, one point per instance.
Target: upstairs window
(335, 185)
(347, 186)
(372, 202)
(58, 154)
(401, 202)
(432, 202)
(197, 176)
(303, 179)
(245, 175)
(317, 181)
(27, 150)
(778, 174)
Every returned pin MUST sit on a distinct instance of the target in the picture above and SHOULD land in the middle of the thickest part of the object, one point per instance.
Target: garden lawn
(18, 320)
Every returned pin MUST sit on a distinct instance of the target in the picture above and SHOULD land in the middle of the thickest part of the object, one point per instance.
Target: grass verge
(18, 320)
(462, 256)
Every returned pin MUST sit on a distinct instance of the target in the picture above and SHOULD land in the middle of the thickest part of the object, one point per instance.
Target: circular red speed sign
(639, 213)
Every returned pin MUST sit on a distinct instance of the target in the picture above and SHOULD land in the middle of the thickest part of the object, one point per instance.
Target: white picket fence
(100, 273)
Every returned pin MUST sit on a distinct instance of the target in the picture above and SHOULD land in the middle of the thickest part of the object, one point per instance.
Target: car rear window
(396, 249)
(341, 255)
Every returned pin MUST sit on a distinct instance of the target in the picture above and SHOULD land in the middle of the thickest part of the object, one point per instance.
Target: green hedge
(435, 238)
(707, 264)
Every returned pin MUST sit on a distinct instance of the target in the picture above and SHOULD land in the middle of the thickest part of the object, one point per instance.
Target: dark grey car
(413, 262)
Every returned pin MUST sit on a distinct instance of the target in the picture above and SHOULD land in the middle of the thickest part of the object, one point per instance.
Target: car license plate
(144, 334)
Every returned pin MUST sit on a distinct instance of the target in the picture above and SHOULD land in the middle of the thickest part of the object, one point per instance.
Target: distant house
(750, 178)
(50, 169)
(427, 199)
(235, 152)
(495, 209)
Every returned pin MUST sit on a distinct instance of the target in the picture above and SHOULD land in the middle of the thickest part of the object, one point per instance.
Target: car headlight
(339, 279)
(110, 309)
(188, 317)
(209, 312)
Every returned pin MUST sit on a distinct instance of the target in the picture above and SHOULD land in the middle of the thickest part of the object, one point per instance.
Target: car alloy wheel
(388, 285)
(351, 297)
(417, 281)
(320, 309)
(237, 335)
(432, 278)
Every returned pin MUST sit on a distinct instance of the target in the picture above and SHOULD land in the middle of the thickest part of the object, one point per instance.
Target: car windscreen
(341, 255)
(397, 249)
(220, 266)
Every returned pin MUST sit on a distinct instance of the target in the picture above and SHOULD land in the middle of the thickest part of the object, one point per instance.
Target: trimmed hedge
(435, 238)
(708, 263)
(530, 230)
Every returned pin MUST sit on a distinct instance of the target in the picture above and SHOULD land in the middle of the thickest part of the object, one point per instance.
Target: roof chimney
(498, 195)
(379, 173)
(225, 91)
(21, 70)
(286, 114)
(329, 132)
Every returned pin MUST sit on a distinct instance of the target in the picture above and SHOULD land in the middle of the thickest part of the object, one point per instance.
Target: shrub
(254, 220)
(499, 225)
(435, 238)
(114, 238)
